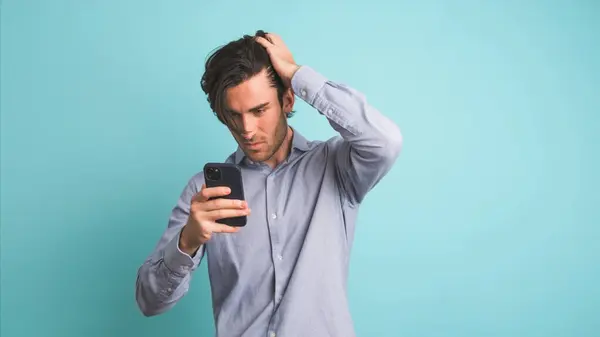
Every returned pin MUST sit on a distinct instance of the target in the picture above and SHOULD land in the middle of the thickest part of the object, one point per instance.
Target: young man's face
(261, 123)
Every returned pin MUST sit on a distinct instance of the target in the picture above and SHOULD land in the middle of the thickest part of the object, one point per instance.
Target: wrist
(187, 245)
(290, 73)
(178, 261)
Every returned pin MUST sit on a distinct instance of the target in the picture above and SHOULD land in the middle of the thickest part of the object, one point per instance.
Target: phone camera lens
(213, 173)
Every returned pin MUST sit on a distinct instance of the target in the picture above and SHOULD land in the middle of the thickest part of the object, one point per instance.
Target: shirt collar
(298, 142)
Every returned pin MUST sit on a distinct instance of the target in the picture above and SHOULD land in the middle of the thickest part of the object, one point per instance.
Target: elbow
(148, 311)
(147, 300)
(395, 143)
(147, 308)
(392, 143)
(143, 304)
(383, 147)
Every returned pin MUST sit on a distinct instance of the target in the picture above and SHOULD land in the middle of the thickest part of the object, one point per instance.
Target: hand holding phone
(219, 207)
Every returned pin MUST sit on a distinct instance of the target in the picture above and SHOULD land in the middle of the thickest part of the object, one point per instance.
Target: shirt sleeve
(370, 142)
(164, 278)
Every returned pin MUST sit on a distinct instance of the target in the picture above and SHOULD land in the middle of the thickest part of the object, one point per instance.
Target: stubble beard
(279, 140)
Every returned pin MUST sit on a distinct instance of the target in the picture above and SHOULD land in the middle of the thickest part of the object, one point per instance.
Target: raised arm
(370, 142)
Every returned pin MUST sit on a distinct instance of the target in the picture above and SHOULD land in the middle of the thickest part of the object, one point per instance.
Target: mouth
(253, 146)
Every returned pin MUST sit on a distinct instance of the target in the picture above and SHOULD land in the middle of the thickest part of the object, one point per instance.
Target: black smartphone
(230, 175)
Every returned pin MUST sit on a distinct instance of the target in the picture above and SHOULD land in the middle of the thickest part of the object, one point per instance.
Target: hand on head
(280, 55)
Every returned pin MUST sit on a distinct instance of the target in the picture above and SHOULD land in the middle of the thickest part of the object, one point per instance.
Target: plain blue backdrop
(487, 226)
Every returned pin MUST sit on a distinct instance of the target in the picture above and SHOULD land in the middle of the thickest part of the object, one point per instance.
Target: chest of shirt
(284, 203)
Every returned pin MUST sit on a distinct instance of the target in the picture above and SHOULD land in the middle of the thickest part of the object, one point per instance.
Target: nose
(248, 127)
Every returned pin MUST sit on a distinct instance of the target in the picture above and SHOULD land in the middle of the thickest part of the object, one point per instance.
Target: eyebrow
(253, 109)
(258, 107)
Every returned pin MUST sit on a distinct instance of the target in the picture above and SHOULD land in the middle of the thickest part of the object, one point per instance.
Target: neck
(283, 151)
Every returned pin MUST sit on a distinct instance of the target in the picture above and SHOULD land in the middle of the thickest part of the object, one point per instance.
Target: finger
(224, 213)
(220, 228)
(221, 203)
(275, 39)
(264, 42)
(211, 192)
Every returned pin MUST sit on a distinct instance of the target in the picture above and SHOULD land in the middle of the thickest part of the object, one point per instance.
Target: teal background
(487, 226)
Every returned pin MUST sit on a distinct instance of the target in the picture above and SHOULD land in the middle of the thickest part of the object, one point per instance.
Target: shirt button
(303, 92)
(280, 257)
(274, 216)
(272, 334)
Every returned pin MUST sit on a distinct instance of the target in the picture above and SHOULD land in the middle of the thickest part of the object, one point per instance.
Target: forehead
(250, 93)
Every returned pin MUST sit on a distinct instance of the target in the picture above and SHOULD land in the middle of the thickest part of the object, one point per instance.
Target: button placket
(273, 230)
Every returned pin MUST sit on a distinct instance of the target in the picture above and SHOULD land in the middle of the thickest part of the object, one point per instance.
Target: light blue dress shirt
(285, 273)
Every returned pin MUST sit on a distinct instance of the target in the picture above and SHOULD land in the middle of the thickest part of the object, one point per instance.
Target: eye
(259, 111)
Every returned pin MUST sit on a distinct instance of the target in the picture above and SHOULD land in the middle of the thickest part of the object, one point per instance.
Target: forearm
(164, 278)
(349, 112)
(371, 142)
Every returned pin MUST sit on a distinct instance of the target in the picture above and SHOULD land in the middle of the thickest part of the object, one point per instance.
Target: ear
(288, 100)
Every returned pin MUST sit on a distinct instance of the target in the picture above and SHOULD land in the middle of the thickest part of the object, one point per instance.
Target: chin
(259, 155)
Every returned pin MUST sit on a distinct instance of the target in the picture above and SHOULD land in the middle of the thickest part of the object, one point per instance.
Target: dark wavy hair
(233, 64)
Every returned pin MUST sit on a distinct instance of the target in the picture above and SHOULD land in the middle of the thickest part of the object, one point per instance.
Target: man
(284, 273)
